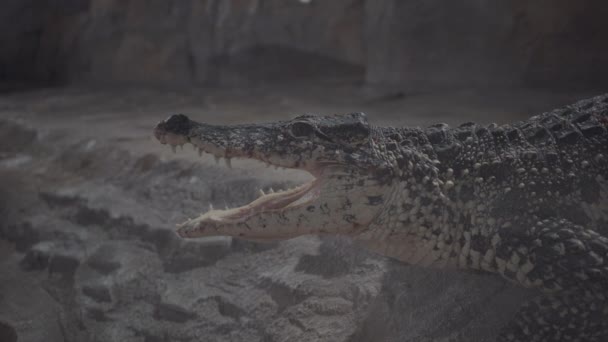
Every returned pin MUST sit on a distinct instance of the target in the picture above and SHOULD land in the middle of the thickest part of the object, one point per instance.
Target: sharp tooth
(228, 163)
(271, 190)
(262, 192)
(200, 152)
(173, 148)
(217, 159)
(210, 207)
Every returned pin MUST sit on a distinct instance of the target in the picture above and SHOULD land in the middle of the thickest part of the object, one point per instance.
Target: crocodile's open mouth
(266, 203)
(276, 201)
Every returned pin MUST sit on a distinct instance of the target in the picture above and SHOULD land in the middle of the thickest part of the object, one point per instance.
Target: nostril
(176, 123)
(7, 332)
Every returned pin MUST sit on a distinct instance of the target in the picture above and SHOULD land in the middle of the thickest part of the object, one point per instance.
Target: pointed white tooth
(217, 159)
(200, 152)
(271, 190)
(173, 148)
(228, 163)
(262, 193)
(210, 206)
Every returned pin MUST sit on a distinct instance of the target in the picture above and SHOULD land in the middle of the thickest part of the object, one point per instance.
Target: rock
(6, 249)
(240, 245)
(441, 304)
(105, 259)
(97, 315)
(173, 313)
(21, 25)
(64, 265)
(470, 43)
(275, 64)
(190, 255)
(97, 292)
(416, 46)
(227, 308)
(61, 258)
(37, 258)
(165, 240)
(28, 312)
(7, 332)
(16, 137)
(119, 276)
(337, 256)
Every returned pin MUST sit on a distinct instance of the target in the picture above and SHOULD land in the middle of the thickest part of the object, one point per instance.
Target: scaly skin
(527, 201)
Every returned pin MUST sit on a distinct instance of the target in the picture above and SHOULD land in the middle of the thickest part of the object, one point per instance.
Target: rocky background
(234, 42)
(88, 199)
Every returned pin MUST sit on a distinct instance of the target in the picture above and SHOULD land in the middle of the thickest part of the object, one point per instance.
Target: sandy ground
(89, 198)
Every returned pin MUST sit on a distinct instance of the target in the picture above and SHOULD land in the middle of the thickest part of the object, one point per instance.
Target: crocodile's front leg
(569, 264)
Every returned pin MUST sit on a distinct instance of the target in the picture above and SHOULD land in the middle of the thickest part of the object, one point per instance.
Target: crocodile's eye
(302, 129)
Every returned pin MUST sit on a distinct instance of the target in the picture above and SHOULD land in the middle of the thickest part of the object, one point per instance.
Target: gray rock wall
(505, 42)
(409, 43)
(20, 26)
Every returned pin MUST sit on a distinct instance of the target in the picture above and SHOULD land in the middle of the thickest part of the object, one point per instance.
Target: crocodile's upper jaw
(317, 207)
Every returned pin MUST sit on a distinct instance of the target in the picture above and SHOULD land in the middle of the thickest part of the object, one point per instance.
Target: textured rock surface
(430, 44)
(508, 42)
(19, 39)
(87, 252)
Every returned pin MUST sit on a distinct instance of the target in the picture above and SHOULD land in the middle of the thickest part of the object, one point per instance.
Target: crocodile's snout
(178, 124)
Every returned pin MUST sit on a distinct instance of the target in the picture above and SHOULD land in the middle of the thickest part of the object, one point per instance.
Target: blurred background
(89, 199)
(415, 45)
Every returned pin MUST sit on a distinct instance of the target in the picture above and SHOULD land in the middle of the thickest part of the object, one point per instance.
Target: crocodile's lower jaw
(273, 202)
(267, 203)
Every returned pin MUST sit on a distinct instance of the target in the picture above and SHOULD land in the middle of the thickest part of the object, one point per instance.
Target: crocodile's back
(552, 165)
(572, 148)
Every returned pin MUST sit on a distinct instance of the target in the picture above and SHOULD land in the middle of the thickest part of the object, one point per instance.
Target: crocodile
(527, 201)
